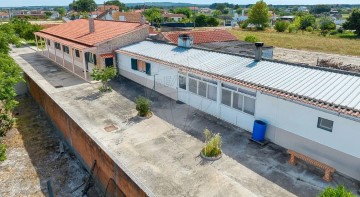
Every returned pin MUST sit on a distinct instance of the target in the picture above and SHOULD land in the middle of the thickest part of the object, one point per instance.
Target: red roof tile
(217, 35)
(62, 41)
(107, 55)
(78, 31)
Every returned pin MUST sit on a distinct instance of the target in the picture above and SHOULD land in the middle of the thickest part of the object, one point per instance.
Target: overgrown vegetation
(143, 106)
(259, 15)
(2, 152)
(330, 63)
(104, 75)
(281, 26)
(213, 144)
(353, 22)
(340, 191)
(251, 38)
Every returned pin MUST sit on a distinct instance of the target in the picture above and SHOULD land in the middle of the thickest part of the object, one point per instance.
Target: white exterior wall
(291, 125)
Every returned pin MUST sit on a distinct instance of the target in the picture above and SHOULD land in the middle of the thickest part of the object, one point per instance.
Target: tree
(4, 43)
(259, 15)
(326, 24)
(303, 21)
(24, 29)
(48, 14)
(61, 11)
(281, 26)
(318, 9)
(185, 11)
(238, 11)
(201, 21)
(217, 13)
(153, 15)
(353, 22)
(83, 5)
(121, 6)
(221, 7)
(212, 22)
(104, 75)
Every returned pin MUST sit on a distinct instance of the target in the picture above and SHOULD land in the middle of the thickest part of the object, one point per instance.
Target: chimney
(91, 25)
(185, 40)
(258, 51)
(142, 20)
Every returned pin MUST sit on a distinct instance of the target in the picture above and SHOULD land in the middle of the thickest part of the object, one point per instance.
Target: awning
(62, 41)
(107, 55)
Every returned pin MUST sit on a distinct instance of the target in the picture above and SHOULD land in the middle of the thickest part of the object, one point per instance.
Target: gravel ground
(33, 158)
(309, 57)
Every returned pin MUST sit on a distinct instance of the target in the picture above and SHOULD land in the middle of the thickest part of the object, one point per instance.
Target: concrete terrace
(163, 152)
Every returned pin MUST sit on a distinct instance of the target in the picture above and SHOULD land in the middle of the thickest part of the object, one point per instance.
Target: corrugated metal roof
(335, 88)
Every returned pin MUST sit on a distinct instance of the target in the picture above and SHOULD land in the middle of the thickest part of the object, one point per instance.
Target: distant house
(205, 10)
(4, 15)
(103, 8)
(217, 40)
(173, 17)
(81, 45)
(95, 14)
(287, 18)
(133, 17)
(303, 9)
(194, 9)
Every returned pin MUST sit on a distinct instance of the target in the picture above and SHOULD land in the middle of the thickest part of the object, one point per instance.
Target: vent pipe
(185, 40)
(258, 51)
(91, 25)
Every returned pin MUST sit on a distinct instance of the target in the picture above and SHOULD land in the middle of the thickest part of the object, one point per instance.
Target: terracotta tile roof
(132, 17)
(107, 7)
(4, 14)
(173, 15)
(217, 35)
(62, 41)
(78, 31)
(107, 55)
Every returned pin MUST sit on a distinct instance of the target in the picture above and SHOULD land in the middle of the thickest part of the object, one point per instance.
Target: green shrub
(143, 106)
(333, 32)
(340, 191)
(251, 38)
(340, 30)
(281, 26)
(6, 123)
(2, 152)
(292, 28)
(244, 25)
(213, 144)
(104, 75)
(309, 29)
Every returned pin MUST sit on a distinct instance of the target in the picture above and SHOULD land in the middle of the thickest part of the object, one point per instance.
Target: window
(193, 85)
(238, 101)
(226, 97)
(244, 91)
(66, 49)
(141, 66)
(48, 42)
(249, 105)
(77, 53)
(212, 92)
(57, 45)
(325, 124)
(182, 82)
(91, 58)
(122, 18)
(202, 88)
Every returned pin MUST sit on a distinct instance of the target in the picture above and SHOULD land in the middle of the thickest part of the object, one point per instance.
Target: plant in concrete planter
(340, 191)
(213, 144)
(104, 75)
(143, 106)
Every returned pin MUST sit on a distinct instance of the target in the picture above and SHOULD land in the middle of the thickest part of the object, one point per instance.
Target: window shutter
(148, 68)
(94, 55)
(134, 64)
(87, 57)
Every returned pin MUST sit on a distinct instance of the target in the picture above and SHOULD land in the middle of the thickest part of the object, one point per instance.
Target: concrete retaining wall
(84, 147)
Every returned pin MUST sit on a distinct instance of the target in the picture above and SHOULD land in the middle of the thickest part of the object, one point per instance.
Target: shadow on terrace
(269, 161)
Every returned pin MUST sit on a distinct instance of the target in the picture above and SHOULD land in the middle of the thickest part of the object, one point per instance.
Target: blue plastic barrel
(259, 131)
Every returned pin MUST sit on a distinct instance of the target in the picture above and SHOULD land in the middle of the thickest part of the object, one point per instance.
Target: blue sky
(17, 3)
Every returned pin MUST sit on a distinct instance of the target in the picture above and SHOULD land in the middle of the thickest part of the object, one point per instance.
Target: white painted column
(48, 46)
(84, 64)
(55, 51)
(72, 58)
(62, 48)
(37, 45)
(43, 47)
(218, 99)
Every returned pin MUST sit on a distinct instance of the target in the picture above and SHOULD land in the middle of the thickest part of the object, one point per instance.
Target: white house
(173, 17)
(315, 111)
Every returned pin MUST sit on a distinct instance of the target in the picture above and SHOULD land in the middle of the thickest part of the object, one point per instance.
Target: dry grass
(306, 41)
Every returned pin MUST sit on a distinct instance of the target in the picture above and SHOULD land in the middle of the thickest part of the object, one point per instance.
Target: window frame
(184, 77)
(207, 82)
(320, 126)
(77, 53)
(234, 89)
(145, 66)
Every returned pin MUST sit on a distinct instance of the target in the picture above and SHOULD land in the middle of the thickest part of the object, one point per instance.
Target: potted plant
(212, 150)
(143, 106)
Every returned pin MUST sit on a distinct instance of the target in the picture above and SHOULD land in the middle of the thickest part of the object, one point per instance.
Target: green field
(346, 44)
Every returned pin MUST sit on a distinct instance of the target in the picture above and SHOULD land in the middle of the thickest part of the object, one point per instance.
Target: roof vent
(91, 25)
(258, 51)
(185, 40)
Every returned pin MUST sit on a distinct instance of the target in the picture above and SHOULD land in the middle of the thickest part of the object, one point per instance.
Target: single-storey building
(81, 45)
(173, 17)
(312, 110)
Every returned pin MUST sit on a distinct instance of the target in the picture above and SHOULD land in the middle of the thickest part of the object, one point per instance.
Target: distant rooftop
(207, 36)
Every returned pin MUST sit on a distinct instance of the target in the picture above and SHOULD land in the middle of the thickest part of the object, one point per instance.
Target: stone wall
(84, 146)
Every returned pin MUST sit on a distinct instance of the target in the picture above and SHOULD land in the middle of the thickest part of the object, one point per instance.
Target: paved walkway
(163, 151)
